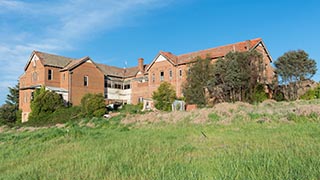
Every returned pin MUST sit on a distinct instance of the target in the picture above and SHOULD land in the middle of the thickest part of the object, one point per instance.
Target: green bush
(259, 95)
(62, 115)
(132, 109)
(311, 94)
(93, 105)
(44, 103)
(7, 114)
(164, 96)
(278, 96)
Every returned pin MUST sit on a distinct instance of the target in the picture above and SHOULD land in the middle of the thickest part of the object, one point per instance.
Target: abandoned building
(73, 78)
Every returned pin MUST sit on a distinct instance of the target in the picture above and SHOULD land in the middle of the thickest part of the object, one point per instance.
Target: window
(170, 74)
(34, 77)
(63, 76)
(50, 74)
(85, 80)
(153, 78)
(127, 86)
(140, 99)
(180, 73)
(161, 76)
(109, 84)
(34, 64)
(189, 71)
(118, 86)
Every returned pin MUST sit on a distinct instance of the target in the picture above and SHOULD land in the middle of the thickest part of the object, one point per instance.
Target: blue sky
(118, 31)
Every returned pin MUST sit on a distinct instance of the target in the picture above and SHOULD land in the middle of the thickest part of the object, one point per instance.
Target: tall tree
(199, 74)
(9, 111)
(13, 96)
(236, 76)
(293, 67)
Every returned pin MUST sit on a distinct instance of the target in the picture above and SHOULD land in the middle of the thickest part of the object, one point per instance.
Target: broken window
(161, 76)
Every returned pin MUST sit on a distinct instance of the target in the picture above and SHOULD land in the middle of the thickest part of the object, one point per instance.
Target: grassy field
(251, 142)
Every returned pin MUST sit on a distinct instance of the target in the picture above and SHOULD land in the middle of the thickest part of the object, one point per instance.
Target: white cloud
(55, 26)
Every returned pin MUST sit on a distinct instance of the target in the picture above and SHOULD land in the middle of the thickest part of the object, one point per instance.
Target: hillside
(229, 141)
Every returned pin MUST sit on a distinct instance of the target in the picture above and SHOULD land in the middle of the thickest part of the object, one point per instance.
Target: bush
(259, 95)
(164, 96)
(93, 105)
(7, 114)
(311, 94)
(132, 109)
(62, 115)
(278, 96)
(44, 103)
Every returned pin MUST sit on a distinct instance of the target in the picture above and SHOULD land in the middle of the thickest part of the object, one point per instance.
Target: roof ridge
(36, 51)
(222, 46)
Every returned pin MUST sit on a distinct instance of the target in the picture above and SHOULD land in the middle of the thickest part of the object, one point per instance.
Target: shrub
(93, 105)
(132, 109)
(311, 94)
(259, 95)
(44, 103)
(7, 114)
(164, 96)
(62, 115)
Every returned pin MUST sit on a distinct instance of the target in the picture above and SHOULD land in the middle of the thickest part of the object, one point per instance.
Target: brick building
(72, 78)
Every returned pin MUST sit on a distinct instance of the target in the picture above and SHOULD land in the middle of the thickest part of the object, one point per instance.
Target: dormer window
(50, 74)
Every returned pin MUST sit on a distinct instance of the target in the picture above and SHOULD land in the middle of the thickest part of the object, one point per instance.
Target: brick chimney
(140, 65)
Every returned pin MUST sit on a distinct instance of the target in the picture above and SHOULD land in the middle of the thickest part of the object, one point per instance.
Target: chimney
(248, 45)
(140, 65)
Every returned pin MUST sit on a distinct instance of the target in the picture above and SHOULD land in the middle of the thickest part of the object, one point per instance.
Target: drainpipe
(70, 87)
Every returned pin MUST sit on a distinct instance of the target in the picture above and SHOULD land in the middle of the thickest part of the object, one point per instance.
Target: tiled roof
(75, 63)
(116, 71)
(212, 52)
(53, 60)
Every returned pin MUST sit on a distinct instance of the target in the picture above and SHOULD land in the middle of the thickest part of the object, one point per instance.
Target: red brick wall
(95, 83)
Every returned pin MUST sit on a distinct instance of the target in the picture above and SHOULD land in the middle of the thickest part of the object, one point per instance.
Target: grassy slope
(243, 149)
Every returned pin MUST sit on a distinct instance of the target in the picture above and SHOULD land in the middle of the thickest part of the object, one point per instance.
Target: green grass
(244, 149)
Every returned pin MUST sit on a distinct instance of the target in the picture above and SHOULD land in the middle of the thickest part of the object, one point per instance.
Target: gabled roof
(212, 53)
(118, 72)
(220, 51)
(53, 60)
(75, 63)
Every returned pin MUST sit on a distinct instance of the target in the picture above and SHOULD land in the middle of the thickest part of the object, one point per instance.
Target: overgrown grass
(244, 149)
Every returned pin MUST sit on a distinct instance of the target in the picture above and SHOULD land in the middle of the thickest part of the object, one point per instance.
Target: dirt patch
(306, 110)
(194, 116)
(31, 129)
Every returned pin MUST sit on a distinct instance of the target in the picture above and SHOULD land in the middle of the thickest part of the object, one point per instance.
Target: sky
(118, 32)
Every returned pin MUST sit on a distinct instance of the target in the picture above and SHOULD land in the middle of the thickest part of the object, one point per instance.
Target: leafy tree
(93, 105)
(13, 96)
(236, 76)
(164, 96)
(9, 112)
(293, 67)
(44, 103)
(199, 74)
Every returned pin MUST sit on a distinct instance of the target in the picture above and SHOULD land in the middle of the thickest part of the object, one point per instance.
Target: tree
(164, 96)
(199, 74)
(93, 105)
(293, 67)
(9, 112)
(44, 103)
(236, 76)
